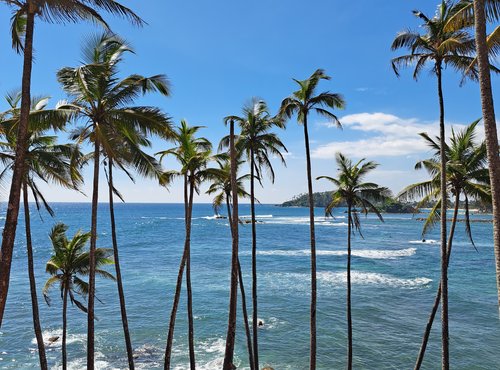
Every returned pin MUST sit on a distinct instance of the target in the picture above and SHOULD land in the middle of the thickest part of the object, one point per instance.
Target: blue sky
(219, 54)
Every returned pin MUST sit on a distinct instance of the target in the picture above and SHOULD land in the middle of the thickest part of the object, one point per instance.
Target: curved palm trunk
(121, 295)
(233, 298)
(437, 300)
(312, 360)
(93, 240)
(65, 307)
(243, 298)
(9, 231)
(445, 353)
(490, 128)
(254, 263)
(31, 273)
(178, 286)
(349, 316)
(188, 279)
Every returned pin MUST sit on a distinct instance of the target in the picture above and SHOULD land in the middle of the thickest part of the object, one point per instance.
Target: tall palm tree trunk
(188, 279)
(489, 128)
(254, 262)
(93, 240)
(31, 273)
(312, 360)
(9, 231)
(121, 295)
(445, 352)
(65, 307)
(233, 299)
(243, 298)
(349, 316)
(178, 286)
(437, 300)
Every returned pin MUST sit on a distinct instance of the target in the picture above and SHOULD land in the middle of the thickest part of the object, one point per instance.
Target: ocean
(394, 281)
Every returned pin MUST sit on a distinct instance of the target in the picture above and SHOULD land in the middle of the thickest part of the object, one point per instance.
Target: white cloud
(392, 136)
(378, 146)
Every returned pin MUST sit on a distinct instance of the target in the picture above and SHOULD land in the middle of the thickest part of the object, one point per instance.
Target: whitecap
(214, 217)
(363, 253)
(320, 221)
(300, 281)
(424, 241)
(371, 278)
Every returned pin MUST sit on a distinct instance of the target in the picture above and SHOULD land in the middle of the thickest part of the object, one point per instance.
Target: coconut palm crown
(351, 189)
(467, 175)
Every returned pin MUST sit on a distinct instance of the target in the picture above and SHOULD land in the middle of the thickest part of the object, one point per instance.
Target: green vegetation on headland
(322, 199)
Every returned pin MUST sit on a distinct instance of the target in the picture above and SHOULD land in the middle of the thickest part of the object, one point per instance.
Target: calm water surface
(395, 277)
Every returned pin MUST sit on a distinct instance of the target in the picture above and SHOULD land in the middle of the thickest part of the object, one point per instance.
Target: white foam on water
(300, 281)
(273, 323)
(424, 241)
(371, 278)
(364, 253)
(217, 345)
(320, 221)
(212, 351)
(70, 338)
(214, 217)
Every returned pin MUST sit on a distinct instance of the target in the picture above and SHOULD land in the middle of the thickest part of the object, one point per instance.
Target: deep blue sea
(395, 277)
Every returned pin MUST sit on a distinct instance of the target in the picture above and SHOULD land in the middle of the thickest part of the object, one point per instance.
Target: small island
(321, 199)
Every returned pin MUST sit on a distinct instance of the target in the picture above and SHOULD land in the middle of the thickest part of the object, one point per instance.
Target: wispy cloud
(392, 136)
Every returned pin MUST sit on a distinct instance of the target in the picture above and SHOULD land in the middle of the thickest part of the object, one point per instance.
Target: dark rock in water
(53, 339)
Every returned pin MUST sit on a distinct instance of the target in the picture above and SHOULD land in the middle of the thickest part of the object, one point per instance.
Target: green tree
(467, 177)
(221, 187)
(127, 153)
(103, 101)
(194, 154)
(439, 47)
(490, 126)
(23, 22)
(301, 103)
(477, 13)
(257, 142)
(45, 161)
(68, 264)
(357, 195)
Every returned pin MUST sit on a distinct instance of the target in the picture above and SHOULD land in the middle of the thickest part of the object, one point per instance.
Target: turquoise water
(395, 277)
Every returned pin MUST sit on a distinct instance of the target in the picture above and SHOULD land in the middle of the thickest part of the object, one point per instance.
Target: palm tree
(23, 21)
(67, 266)
(44, 160)
(194, 154)
(221, 187)
(490, 127)
(467, 177)
(301, 103)
(476, 14)
(258, 143)
(102, 101)
(440, 46)
(357, 195)
(128, 154)
(233, 293)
